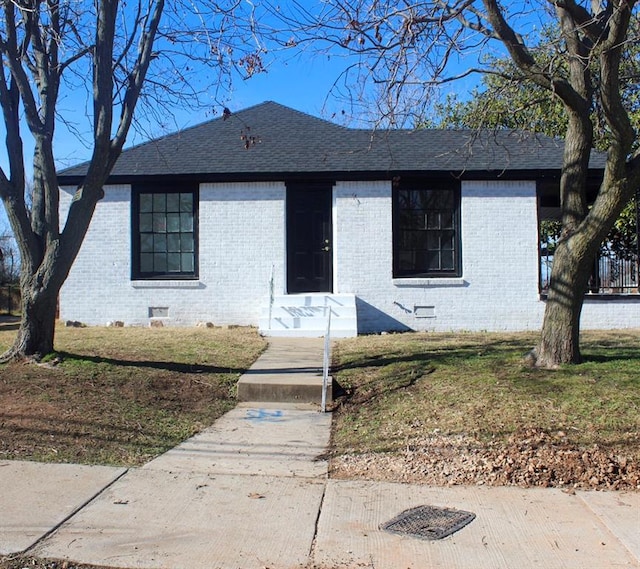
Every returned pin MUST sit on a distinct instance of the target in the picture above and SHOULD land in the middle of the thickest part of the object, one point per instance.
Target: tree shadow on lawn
(439, 355)
(86, 441)
(401, 377)
(397, 380)
(621, 354)
(501, 357)
(106, 432)
(174, 367)
(592, 352)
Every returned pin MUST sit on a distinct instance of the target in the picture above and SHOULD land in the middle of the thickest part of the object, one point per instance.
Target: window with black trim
(165, 238)
(426, 231)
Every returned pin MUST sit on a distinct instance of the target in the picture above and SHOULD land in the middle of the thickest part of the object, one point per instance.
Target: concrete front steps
(305, 316)
(289, 371)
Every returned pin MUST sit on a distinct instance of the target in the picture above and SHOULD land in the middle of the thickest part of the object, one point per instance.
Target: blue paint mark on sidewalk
(264, 415)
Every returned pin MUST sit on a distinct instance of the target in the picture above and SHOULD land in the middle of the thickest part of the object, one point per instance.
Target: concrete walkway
(251, 492)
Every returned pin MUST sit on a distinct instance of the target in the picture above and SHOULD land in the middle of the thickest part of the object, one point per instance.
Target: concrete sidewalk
(251, 492)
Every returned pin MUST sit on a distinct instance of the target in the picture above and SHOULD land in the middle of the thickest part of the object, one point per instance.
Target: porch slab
(306, 315)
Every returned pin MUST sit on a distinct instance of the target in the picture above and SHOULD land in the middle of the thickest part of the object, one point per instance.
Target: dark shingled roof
(290, 143)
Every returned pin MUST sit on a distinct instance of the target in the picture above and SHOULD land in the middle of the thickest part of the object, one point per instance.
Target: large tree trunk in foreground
(43, 272)
(40, 285)
(37, 325)
(560, 336)
(574, 256)
(31, 38)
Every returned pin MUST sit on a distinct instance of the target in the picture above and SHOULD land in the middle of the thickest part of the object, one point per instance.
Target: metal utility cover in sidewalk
(428, 522)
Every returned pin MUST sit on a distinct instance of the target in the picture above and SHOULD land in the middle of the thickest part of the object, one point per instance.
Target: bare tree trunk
(560, 336)
(37, 325)
(42, 276)
(573, 259)
(29, 88)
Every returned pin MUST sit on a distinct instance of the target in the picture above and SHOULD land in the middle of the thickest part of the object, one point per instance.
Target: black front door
(309, 247)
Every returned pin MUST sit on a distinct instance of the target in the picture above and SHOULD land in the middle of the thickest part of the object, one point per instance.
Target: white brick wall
(498, 288)
(242, 236)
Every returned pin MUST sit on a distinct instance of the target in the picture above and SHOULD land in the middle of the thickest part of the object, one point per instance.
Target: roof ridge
(289, 142)
(223, 117)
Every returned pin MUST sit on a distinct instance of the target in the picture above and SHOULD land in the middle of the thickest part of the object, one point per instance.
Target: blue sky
(311, 84)
(305, 81)
(304, 84)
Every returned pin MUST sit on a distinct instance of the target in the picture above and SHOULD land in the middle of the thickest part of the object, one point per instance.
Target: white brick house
(393, 230)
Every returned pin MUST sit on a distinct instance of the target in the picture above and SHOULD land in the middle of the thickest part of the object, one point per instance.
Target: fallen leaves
(528, 458)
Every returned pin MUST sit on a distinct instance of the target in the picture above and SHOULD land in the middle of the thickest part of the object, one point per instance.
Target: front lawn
(462, 408)
(119, 395)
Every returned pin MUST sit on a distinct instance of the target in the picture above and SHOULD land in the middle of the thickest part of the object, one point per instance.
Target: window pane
(447, 259)
(413, 219)
(173, 262)
(159, 202)
(146, 243)
(173, 222)
(146, 263)
(433, 261)
(173, 242)
(187, 263)
(146, 222)
(146, 203)
(159, 223)
(160, 243)
(404, 199)
(441, 199)
(446, 220)
(186, 222)
(186, 242)
(430, 199)
(410, 239)
(433, 240)
(160, 262)
(173, 202)
(407, 261)
(433, 220)
(186, 202)
(447, 240)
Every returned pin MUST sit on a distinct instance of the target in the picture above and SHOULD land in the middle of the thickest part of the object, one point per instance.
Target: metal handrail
(271, 295)
(325, 364)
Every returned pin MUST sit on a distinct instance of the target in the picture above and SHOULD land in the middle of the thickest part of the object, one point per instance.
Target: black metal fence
(9, 299)
(611, 275)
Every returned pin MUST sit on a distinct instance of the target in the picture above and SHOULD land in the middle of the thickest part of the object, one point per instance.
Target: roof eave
(502, 174)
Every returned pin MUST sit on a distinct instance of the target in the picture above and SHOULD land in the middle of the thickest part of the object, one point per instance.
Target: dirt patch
(20, 562)
(462, 409)
(54, 414)
(121, 396)
(529, 458)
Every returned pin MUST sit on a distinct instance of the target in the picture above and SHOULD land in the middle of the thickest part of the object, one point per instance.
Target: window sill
(430, 282)
(170, 284)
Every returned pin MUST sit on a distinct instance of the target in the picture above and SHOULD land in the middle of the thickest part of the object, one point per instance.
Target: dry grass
(120, 395)
(402, 387)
